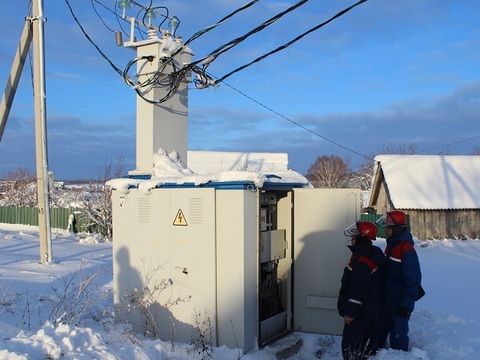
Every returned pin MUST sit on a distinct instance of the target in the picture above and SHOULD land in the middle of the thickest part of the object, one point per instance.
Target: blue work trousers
(397, 327)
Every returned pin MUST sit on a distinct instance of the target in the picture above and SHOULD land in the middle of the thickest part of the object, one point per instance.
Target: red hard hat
(363, 228)
(399, 217)
(395, 217)
(367, 229)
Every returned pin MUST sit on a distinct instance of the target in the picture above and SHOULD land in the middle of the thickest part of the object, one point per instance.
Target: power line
(96, 12)
(296, 123)
(284, 46)
(174, 80)
(91, 41)
(208, 59)
(204, 79)
(211, 27)
(324, 137)
(453, 143)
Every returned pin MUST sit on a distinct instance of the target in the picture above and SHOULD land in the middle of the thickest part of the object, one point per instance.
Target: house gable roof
(430, 181)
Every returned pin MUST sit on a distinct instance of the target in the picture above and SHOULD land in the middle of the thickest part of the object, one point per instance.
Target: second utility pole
(41, 133)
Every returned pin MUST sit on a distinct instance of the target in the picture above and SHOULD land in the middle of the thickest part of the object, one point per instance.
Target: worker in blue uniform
(402, 278)
(360, 293)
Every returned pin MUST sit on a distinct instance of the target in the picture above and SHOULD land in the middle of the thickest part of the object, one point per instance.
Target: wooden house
(440, 193)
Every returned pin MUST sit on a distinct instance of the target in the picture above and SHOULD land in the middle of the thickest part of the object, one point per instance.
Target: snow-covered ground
(445, 324)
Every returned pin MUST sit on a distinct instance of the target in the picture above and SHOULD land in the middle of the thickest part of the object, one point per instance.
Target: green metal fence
(59, 218)
(29, 216)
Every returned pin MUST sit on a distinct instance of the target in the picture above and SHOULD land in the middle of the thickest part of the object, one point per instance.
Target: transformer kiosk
(240, 256)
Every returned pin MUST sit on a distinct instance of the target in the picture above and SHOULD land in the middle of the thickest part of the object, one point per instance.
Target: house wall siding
(435, 224)
(445, 224)
(382, 204)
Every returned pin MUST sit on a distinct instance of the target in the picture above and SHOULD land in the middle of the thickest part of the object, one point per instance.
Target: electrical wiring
(158, 78)
(203, 80)
(145, 12)
(96, 12)
(165, 17)
(453, 143)
(202, 74)
(208, 59)
(90, 39)
(146, 9)
(119, 17)
(155, 78)
(327, 139)
(284, 46)
(298, 124)
(143, 9)
(170, 82)
(30, 53)
(169, 75)
(128, 80)
(211, 27)
(294, 122)
(174, 82)
(137, 26)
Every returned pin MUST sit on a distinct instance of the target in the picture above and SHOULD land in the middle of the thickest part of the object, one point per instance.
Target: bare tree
(97, 202)
(402, 149)
(476, 150)
(23, 188)
(330, 172)
(362, 177)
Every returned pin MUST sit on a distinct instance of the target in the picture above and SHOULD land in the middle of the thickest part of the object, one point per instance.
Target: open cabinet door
(320, 255)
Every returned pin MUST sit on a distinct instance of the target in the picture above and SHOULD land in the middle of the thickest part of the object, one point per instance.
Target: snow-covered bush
(202, 342)
(75, 296)
(148, 302)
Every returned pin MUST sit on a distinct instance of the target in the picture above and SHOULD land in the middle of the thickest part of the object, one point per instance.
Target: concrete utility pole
(41, 133)
(34, 28)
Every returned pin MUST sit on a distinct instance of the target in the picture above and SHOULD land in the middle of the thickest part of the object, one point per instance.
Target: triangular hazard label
(180, 219)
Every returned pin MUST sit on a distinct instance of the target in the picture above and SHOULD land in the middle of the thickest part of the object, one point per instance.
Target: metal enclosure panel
(285, 265)
(161, 125)
(141, 253)
(320, 254)
(272, 245)
(237, 268)
(152, 247)
(193, 261)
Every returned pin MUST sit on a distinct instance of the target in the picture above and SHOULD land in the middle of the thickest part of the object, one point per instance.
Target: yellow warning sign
(180, 219)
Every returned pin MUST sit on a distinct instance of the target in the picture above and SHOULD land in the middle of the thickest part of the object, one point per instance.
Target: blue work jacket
(402, 274)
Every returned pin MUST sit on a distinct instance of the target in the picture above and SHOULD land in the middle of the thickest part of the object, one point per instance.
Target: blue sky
(388, 73)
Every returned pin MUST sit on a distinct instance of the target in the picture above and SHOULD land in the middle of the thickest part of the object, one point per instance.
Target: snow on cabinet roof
(432, 181)
(207, 167)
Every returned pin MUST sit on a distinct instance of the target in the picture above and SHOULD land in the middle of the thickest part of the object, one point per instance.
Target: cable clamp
(35, 18)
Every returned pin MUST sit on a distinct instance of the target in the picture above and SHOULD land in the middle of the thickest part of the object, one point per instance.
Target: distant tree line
(93, 198)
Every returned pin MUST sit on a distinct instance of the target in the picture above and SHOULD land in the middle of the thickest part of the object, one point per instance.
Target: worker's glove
(403, 312)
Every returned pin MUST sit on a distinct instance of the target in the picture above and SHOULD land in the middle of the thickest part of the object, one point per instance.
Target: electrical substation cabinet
(219, 260)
